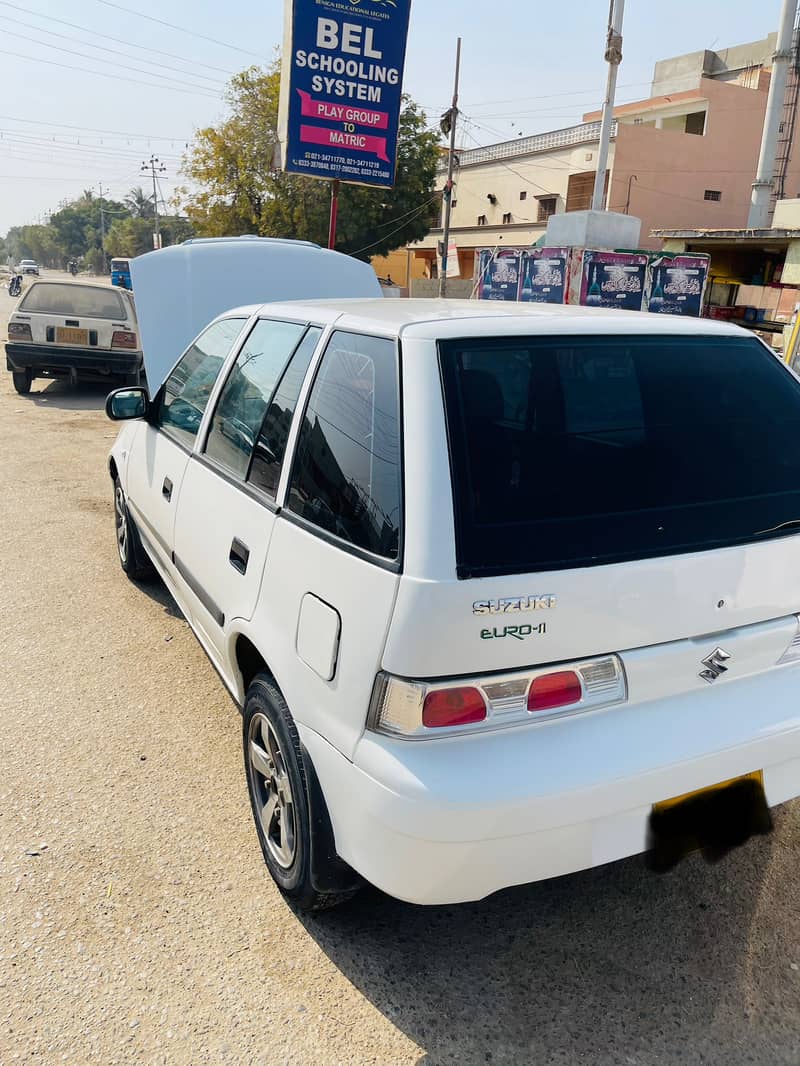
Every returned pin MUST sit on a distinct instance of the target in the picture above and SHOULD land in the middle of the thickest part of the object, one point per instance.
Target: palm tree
(139, 203)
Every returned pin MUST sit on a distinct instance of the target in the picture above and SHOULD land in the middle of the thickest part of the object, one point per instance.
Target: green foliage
(76, 231)
(236, 189)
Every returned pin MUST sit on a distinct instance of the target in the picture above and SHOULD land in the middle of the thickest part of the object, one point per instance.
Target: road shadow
(153, 587)
(86, 396)
(612, 965)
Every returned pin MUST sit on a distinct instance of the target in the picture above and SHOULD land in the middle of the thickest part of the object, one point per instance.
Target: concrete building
(684, 156)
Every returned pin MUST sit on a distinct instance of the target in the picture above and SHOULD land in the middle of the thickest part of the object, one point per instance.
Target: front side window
(265, 470)
(577, 451)
(246, 394)
(187, 389)
(346, 473)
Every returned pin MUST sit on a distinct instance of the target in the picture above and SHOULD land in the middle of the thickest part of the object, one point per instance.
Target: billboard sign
(341, 88)
(677, 284)
(613, 279)
(543, 275)
(497, 273)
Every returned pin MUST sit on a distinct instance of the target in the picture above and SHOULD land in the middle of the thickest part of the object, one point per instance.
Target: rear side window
(346, 473)
(87, 301)
(270, 449)
(246, 395)
(576, 451)
(187, 389)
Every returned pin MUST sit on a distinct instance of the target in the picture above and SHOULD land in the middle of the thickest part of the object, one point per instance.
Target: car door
(226, 510)
(161, 447)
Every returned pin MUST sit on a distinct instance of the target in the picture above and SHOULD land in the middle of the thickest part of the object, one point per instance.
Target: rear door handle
(239, 555)
(166, 489)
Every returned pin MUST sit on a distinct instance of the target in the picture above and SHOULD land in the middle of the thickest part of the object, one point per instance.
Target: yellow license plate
(70, 335)
(667, 804)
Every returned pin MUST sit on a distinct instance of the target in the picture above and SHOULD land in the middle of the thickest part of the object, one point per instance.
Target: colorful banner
(498, 273)
(543, 275)
(677, 284)
(341, 87)
(613, 279)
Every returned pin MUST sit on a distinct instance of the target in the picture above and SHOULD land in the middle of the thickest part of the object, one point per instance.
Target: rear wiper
(792, 523)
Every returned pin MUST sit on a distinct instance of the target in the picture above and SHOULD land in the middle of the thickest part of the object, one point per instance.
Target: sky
(94, 88)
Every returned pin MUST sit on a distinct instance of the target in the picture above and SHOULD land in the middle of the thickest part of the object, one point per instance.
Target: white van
(503, 592)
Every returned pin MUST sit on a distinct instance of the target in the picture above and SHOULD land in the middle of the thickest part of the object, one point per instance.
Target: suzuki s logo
(714, 665)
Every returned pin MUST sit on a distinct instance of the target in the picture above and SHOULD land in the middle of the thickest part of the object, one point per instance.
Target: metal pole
(758, 217)
(155, 201)
(334, 213)
(448, 189)
(102, 227)
(613, 58)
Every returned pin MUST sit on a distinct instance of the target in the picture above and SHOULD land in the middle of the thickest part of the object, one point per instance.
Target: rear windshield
(576, 451)
(86, 301)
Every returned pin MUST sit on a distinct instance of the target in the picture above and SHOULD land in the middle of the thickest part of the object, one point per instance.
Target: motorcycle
(15, 285)
(73, 268)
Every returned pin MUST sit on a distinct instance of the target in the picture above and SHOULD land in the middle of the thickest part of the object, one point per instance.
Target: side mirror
(122, 404)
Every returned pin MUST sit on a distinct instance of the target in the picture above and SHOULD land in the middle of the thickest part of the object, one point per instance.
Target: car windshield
(82, 301)
(576, 451)
(120, 265)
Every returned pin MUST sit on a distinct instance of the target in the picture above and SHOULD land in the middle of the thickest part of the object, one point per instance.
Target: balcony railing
(540, 142)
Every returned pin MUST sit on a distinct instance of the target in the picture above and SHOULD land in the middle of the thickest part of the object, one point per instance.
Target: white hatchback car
(503, 592)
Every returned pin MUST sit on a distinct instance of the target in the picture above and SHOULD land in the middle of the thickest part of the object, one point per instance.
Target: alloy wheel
(121, 522)
(272, 791)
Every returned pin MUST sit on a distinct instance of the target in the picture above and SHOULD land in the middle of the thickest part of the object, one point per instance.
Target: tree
(139, 203)
(236, 188)
(130, 237)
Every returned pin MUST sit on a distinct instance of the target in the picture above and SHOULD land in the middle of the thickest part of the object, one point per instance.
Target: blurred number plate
(712, 820)
(70, 335)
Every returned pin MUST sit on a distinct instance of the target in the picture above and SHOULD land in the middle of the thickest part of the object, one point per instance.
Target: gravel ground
(137, 921)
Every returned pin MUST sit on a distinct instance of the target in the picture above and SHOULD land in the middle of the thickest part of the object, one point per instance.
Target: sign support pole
(334, 213)
(448, 189)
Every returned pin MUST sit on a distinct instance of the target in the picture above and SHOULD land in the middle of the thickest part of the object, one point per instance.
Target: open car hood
(179, 290)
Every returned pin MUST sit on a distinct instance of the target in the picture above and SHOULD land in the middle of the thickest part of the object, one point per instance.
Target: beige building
(684, 156)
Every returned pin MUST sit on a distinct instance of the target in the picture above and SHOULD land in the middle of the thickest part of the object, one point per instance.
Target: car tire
(132, 557)
(278, 780)
(22, 381)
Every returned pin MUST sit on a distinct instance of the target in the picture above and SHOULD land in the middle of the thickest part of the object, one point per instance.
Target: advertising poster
(543, 275)
(613, 279)
(341, 87)
(677, 284)
(498, 274)
(453, 265)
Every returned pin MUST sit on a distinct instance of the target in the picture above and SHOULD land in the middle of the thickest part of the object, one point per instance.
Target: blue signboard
(341, 87)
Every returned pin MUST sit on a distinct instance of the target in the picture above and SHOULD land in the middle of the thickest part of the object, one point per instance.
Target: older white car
(503, 592)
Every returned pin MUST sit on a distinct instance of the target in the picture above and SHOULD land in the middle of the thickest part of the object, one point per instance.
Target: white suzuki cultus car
(503, 592)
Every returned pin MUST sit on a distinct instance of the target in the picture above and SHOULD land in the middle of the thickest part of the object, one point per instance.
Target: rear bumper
(55, 360)
(455, 820)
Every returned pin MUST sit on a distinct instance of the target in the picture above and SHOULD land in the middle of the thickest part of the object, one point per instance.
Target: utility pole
(613, 58)
(102, 227)
(155, 166)
(448, 125)
(758, 217)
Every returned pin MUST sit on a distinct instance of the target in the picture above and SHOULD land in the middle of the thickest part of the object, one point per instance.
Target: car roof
(433, 319)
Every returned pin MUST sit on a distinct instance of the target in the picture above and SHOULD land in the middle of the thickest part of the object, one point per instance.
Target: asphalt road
(137, 921)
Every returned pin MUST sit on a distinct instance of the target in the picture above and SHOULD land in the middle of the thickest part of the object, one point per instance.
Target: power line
(108, 37)
(102, 48)
(90, 129)
(391, 233)
(124, 66)
(105, 74)
(180, 29)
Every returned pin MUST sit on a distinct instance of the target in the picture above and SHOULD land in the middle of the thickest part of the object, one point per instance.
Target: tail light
(19, 331)
(418, 710)
(123, 338)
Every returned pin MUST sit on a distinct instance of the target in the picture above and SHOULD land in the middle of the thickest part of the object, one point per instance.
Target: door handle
(166, 489)
(239, 555)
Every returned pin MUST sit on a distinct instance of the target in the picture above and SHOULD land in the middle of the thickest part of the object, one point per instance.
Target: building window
(523, 195)
(547, 207)
(454, 204)
(507, 218)
(712, 194)
(580, 189)
(696, 123)
(481, 220)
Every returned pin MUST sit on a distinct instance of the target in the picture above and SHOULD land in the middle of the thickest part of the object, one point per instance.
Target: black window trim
(202, 449)
(393, 565)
